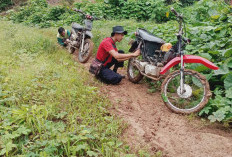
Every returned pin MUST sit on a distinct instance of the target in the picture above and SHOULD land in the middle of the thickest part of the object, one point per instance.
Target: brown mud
(54, 2)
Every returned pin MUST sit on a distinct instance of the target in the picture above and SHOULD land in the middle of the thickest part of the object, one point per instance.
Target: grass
(48, 104)
(47, 108)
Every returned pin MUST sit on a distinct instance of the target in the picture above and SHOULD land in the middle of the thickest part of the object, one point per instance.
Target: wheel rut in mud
(151, 125)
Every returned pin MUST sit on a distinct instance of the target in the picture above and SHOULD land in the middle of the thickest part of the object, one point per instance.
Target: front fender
(188, 59)
(89, 33)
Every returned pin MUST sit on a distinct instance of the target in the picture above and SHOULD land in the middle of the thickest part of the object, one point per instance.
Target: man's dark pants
(111, 76)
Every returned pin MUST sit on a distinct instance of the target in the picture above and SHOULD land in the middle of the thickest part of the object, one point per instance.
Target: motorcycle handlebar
(96, 18)
(186, 40)
(80, 11)
(174, 11)
(86, 15)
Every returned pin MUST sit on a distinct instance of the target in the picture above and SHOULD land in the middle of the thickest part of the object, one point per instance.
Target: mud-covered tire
(203, 101)
(84, 58)
(135, 78)
(71, 50)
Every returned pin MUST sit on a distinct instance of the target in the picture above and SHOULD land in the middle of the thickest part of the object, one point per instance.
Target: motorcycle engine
(141, 65)
(148, 69)
(74, 39)
(152, 70)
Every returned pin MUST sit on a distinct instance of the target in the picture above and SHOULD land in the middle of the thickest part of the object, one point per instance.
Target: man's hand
(122, 57)
(136, 53)
(75, 9)
(67, 41)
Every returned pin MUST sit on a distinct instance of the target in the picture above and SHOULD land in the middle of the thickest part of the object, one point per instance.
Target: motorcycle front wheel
(86, 52)
(194, 97)
(133, 72)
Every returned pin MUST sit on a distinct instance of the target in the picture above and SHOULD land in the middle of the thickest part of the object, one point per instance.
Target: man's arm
(69, 34)
(123, 57)
(60, 41)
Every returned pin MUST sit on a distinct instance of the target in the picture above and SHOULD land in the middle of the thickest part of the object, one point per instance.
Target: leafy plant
(44, 109)
(4, 4)
(184, 2)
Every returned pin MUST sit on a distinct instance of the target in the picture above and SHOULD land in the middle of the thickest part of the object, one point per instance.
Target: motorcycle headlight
(166, 47)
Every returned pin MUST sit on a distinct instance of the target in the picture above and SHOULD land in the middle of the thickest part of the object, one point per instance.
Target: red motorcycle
(184, 90)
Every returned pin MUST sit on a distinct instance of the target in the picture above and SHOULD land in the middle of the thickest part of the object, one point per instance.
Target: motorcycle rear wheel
(196, 92)
(133, 72)
(87, 52)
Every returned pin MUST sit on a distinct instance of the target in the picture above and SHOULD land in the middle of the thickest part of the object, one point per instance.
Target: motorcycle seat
(150, 37)
(77, 26)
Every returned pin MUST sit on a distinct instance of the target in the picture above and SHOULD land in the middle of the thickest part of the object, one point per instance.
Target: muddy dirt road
(153, 126)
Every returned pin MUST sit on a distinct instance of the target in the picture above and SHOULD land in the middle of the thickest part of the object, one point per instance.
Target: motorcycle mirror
(186, 40)
(74, 9)
(89, 17)
(96, 18)
(80, 11)
(136, 33)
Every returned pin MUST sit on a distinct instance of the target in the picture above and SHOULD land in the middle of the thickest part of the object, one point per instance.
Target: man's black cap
(119, 29)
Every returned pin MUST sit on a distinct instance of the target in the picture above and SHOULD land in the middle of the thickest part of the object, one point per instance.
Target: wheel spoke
(133, 72)
(193, 95)
(86, 52)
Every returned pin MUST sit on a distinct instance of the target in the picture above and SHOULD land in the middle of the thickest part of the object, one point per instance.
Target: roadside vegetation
(47, 107)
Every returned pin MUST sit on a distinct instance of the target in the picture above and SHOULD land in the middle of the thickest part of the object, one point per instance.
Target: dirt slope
(153, 126)
(54, 2)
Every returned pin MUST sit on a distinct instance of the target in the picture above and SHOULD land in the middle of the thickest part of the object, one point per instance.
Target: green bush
(38, 13)
(211, 34)
(183, 2)
(40, 3)
(4, 4)
(55, 13)
(121, 9)
(139, 10)
(34, 12)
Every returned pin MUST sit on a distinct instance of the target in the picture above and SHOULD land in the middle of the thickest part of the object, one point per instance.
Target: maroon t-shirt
(103, 50)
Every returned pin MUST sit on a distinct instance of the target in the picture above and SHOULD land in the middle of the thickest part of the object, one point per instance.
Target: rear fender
(188, 59)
